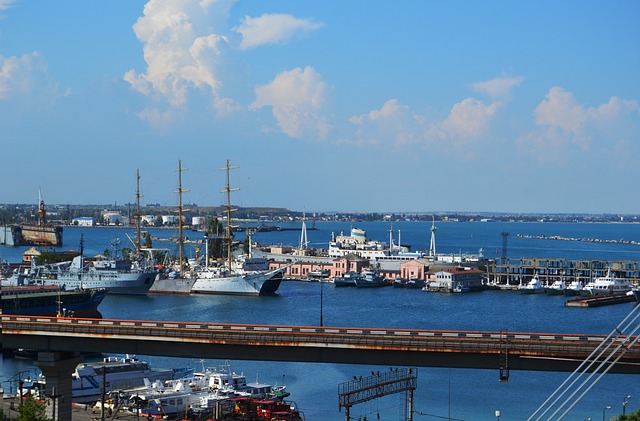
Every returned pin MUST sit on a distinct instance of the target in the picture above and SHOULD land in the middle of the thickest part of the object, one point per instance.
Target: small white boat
(573, 289)
(556, 288)
(534, 286)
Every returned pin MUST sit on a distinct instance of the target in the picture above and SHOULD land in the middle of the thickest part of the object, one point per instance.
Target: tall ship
(178, 281)
(41, 233)
(236, 276)
(118, 276)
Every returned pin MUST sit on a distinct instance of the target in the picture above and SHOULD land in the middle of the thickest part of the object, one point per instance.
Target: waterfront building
(516, 271)
(83, 221)
(458, 279)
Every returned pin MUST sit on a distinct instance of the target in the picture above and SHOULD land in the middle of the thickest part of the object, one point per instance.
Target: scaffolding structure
(377, 385)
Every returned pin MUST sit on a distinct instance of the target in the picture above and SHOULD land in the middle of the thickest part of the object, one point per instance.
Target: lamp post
(605, 410)
(625, 402)
(498, 415)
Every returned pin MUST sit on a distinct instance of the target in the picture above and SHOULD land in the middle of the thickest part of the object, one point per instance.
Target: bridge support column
(57, 368)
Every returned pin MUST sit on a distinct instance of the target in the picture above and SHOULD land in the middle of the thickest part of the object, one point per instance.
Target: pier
(600, 301)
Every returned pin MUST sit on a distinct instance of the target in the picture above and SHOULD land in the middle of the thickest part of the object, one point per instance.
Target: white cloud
(499, 87)
(4, 5)
(272, 29)
(394, 121)
(184, 42)
(26, 76)
(562, 122)
(297, 99)
(468, 120)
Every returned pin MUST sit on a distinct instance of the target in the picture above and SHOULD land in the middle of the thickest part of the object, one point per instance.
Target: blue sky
(362, 106)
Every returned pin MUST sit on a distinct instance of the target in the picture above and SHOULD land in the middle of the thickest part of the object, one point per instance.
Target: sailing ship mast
(228, 191)
(180, 210)
(138, 196)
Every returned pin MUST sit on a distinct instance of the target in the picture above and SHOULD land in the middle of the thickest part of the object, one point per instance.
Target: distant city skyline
(421, 106)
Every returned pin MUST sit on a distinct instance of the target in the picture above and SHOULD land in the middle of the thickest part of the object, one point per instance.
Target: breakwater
(581, 239)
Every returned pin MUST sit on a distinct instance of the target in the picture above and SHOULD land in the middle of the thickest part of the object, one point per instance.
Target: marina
(460, 393)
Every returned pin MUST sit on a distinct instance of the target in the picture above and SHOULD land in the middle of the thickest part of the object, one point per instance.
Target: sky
(358, 106)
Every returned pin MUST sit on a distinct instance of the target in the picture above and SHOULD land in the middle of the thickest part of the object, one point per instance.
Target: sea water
(455, 394)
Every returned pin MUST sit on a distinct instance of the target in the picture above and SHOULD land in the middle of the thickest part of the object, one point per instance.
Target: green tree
(32, 410)
(148, 242)
(634, 416)
(158, 221)
(3, 416)
(127, 252)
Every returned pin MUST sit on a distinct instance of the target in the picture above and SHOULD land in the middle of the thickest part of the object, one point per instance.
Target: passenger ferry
(607, 285)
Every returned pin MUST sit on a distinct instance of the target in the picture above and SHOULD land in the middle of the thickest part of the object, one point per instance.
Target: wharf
(600, 301)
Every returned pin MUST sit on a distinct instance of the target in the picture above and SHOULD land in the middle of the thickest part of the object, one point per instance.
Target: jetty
(600, 300)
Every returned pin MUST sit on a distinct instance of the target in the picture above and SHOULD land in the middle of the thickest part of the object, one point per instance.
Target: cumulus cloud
(184, 42)
(26, 76)
(468, 120)
(563, 122)
(297, 99)
(272, 29)
(393, 121)
(499, 87)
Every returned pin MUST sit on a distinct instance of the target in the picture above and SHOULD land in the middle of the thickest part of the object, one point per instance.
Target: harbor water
(455, 394)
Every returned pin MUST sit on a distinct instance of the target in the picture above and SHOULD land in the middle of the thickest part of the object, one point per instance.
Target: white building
(112, 218)
(169, 219)
(83, 221)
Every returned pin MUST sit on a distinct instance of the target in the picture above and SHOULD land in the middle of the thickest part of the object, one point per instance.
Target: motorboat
(371, 279)
(89, 380)
(556, 288)
(534, 286)
(607, 285)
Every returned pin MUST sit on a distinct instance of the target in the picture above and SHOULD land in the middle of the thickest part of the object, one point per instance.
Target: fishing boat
(39, 300)
(238, 275)
(607, 285)
(91, 379)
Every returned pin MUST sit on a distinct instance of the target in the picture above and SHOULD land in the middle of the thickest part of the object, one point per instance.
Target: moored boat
(346, 280)
(556, 288)
(51, 301)
(573, 289)
(117, 373)
(607, 285)
(371, 279)
(534, 286)
(236, 276)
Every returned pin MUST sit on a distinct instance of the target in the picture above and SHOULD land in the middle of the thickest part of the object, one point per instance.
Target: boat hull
(260, 283)
(172, 286)
(115, 283)
(80, 303)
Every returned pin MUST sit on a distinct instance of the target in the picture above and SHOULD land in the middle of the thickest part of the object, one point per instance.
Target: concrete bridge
(60, 339)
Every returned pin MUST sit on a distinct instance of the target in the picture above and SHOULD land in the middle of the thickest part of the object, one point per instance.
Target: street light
(498, 415)
(625, 402)
(605, 410)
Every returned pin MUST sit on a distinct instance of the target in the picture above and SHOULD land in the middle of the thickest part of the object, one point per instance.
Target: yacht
(607, 285)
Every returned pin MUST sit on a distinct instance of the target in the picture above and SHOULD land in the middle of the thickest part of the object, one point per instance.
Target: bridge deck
(472, 349)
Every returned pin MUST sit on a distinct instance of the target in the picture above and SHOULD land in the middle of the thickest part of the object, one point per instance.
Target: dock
(600, 301)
